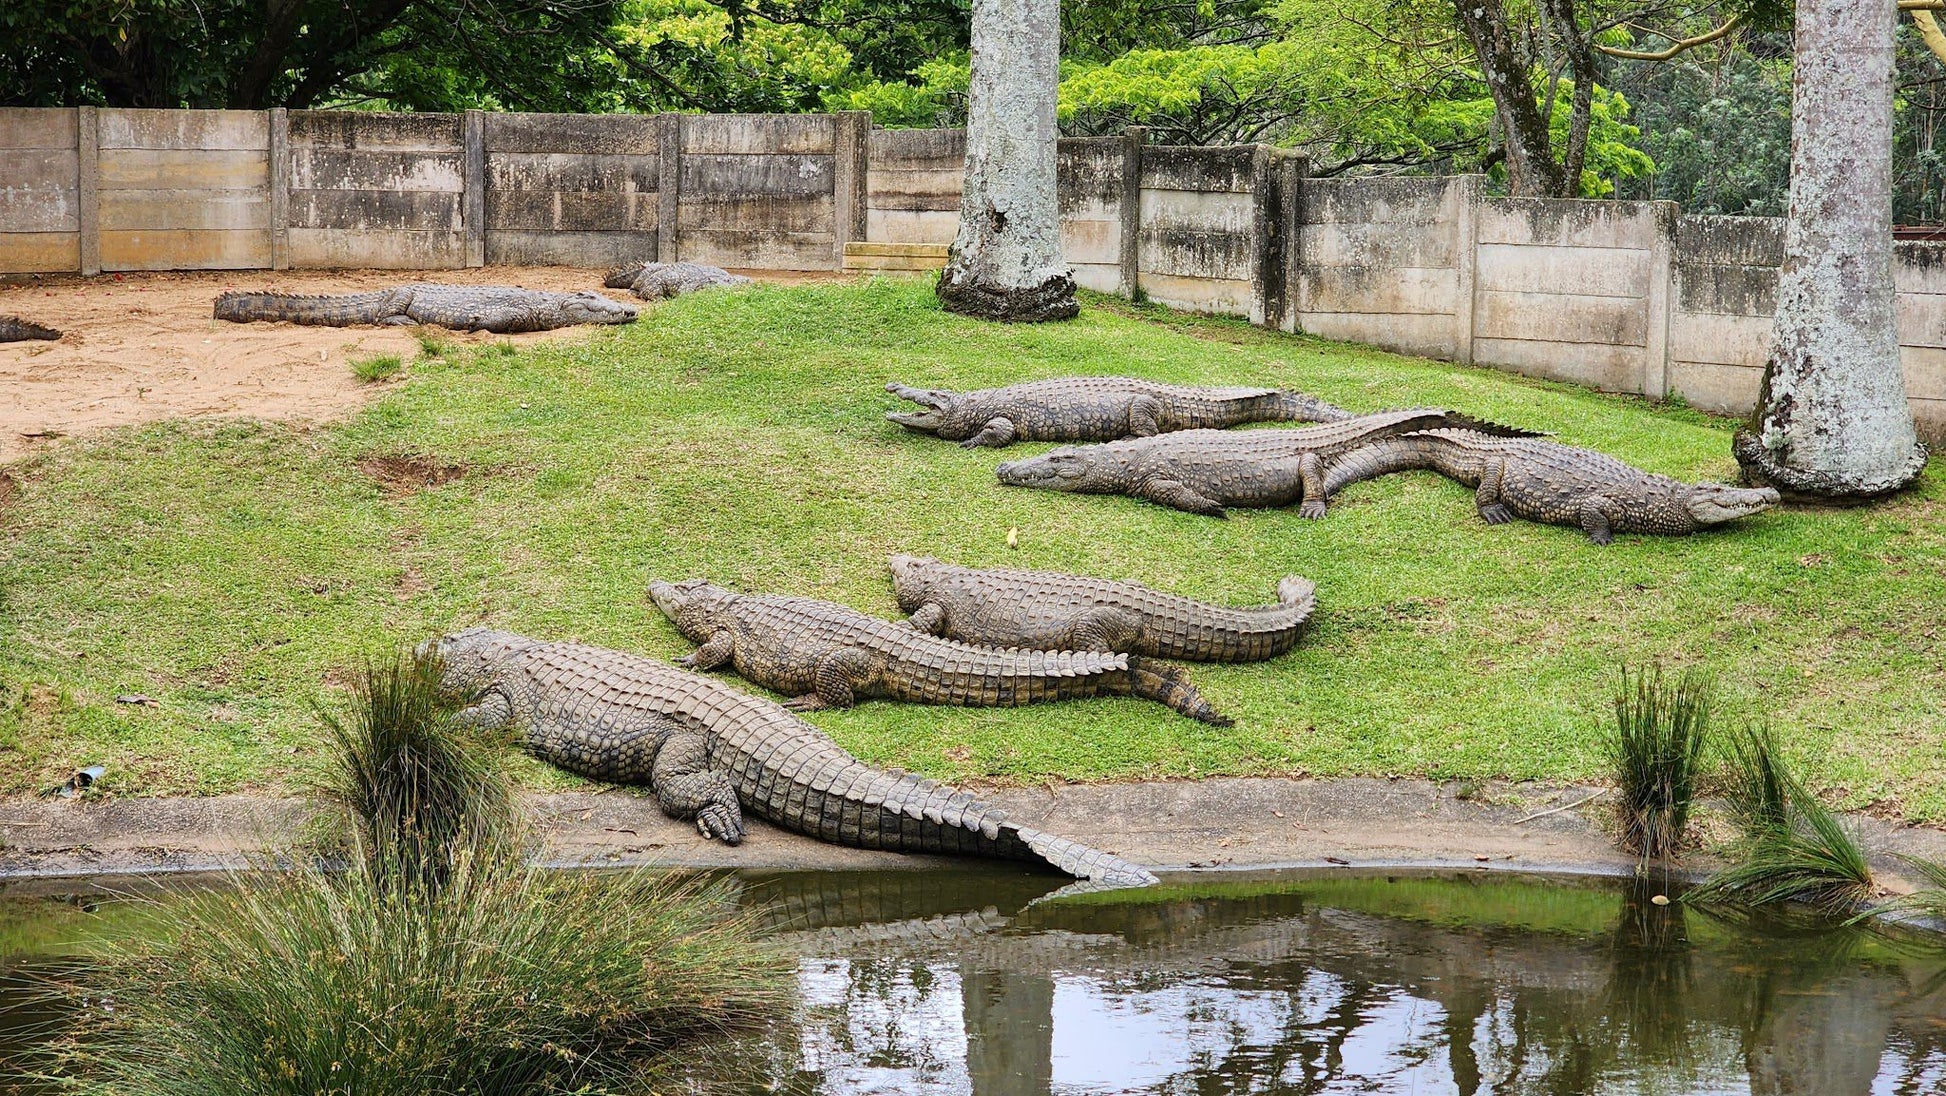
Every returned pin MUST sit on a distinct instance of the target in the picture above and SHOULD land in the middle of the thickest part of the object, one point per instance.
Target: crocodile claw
(1496, 514)
(1311, 508)
(718, 823)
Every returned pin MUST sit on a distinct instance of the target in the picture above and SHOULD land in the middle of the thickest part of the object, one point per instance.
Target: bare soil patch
(142, 347)
(402, 475)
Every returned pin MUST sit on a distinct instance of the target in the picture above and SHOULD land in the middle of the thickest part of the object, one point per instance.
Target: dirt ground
(141, 347)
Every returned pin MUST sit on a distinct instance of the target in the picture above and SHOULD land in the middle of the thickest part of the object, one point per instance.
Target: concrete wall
(576, 189)
(1386, 255)
(1195, 215)
(377, 190)
(40, 199)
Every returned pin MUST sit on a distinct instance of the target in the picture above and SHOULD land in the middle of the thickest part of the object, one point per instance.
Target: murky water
(974, 981)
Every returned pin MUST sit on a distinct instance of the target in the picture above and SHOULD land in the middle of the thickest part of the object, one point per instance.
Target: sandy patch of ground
(142, 346)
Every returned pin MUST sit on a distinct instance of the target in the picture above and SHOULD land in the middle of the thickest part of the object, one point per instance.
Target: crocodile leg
(841, 673)
(1179, 495)
(1104, 628)
(999, 433)
(929, 618)
(1487, 496)
(1596, 521)
(720, 648)
(687, 787)
(489, 711)
(1310, 471)
(1144, 417)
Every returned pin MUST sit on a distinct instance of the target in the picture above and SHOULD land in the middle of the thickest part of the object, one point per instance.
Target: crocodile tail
(623, 277)
(1166, 683)
(1402, 453)
(1296, 591)
(1304, 407)
(1457, 420)
(327, 311)
(13, 329)
(1081, 861)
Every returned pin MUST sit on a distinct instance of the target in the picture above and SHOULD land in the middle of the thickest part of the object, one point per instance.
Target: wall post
(851, 160)
(1466, 255)
(1667, 217)
(1133, 139)
(280, 188)
(668, 186)
(473, 202)
(87, 159)
(1292, 170)
(1269, 238)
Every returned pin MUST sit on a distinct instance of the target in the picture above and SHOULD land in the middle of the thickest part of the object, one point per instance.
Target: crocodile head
(588, 306)
(468, 659)
(693, 605)
(910, 581)
(943, 414)
(1715, 503)
(1086, 468)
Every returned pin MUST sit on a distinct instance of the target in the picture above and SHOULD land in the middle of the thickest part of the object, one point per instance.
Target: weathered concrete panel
(1091, 242)
(1222, 212)
(1610, 368)
(762, 251)
(1214, 296)
(571, 211)
(1566, 222)
(37, 169)
(1715, 387)
(1930, 419)
(758, 134)
(1426, 335)
(176, 169)
(1179, 167)
(366, 210)
(1374, 245)
(38, 192)
(583, 249)
(582, 134)
(37, 127)
(898, 226)
(1090, 168)
(1730, 241)
(1090, 207)
(918, 149)
(1100, 277)
(1562, 318)
(757, 215)
(186, 249)
(1922, 319)
(204, 130)
(755, 176)
(1405, 202)
(351, 249)
(331, 169)
(1726, 290)
(1719, 339)
(1380, 291)
(1925, 371)
(40, 252)
(369, 130)
(233, 210)
(917, 189)
(543, 171)
(1190, 254)
(1585, 271)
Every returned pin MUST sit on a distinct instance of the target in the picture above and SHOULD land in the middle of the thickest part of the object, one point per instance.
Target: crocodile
(1046, 610)
(500, 308)
(654, 281)
(1558, 484)
(826, 655)
(15, 329)
(1204, 471)
(709, 752)
(1096, 409)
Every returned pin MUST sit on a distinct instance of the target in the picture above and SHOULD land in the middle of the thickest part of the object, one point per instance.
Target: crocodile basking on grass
(1097, 409)
(654, 281)
(1203, 471)
(709, 752)
(1558, 484)
(1049, 611)
(500, 308)
(829, 656)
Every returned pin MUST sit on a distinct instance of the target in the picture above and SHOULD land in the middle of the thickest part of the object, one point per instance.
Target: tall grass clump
(1657, 751)
(1794, 848)
(439, 964)
(377, 367)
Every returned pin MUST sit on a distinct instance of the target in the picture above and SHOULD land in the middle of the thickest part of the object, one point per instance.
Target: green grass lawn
(234, 571)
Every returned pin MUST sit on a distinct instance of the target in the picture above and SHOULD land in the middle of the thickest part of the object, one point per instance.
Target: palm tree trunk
(1832, 421)
(1006, 261)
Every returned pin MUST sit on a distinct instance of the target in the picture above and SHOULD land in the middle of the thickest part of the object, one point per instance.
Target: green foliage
(1718, 130)
(1795, 849)
(510, 980)
(434, 342)
(937, 99)
(1660, 729)
(418, 789)
(377, 367)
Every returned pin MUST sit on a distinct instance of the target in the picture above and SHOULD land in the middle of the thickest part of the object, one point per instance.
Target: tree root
(1760, 468)
(1053, 299)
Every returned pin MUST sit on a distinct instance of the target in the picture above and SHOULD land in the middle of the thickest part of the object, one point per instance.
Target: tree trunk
(1832, 421)
(1006, 261)
(1532, 171)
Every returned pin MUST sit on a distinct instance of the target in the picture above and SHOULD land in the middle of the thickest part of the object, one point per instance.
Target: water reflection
(1325, 985)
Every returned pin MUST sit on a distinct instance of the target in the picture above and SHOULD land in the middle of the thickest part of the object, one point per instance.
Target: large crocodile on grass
(1558, 484)
(15, 329)
(709, 752)
(1203, 471)
(826, 655)
(504, 309)
(1046, 610)
(654, 281)
(1097, 409)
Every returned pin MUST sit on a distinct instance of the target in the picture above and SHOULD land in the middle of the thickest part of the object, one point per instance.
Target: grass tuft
(433, 342)
(1795, 849)
(1657, 750)
(377, 367)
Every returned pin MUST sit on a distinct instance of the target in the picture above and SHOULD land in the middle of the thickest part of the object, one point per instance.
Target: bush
(1657, 751)
(377, 367)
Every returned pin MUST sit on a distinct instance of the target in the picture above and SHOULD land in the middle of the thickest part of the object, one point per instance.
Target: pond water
(989, 982)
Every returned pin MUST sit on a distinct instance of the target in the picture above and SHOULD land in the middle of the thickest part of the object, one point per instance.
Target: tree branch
(1684, 45)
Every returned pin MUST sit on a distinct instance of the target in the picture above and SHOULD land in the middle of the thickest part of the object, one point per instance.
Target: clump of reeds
(1657, 750)
(1794, 848)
